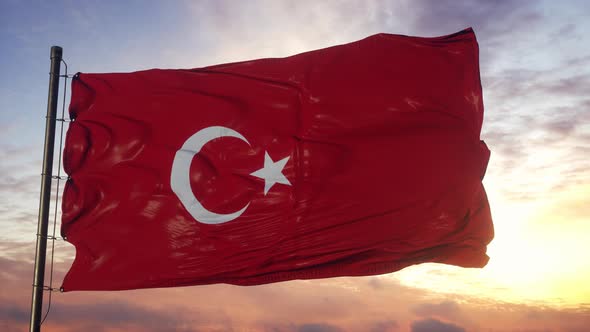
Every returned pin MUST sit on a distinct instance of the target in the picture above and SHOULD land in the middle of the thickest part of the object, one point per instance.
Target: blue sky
(535, 68)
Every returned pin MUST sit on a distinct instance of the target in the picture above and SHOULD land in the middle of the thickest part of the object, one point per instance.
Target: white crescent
(180, 178)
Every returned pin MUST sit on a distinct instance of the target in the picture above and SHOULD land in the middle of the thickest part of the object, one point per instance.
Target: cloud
(12, 313)
(318, 327)
(496, 41)
(445, 309)
(384, 326)
(19, 192)
(280, 28)
(124, 315)
(451, 14)
(519, 87)
(537, 125)
(338, 304)
(97, 316)
(13, 271)
(305, 25)
(434, 325)
(579, 61)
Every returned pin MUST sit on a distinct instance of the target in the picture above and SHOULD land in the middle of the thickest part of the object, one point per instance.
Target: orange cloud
(339, 304)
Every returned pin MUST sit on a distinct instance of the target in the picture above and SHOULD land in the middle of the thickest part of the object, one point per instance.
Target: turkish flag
(353, 160)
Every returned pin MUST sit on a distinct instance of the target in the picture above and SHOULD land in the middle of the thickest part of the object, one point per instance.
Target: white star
(272, 172)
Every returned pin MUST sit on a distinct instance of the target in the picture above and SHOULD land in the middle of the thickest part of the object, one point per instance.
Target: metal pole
(43, 222)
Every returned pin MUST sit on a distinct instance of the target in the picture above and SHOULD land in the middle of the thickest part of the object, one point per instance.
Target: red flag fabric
(353, 160)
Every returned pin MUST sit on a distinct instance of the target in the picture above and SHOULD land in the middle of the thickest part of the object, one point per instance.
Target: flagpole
(45, 197)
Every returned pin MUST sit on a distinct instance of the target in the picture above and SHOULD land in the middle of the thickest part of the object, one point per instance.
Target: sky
(535, 71)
